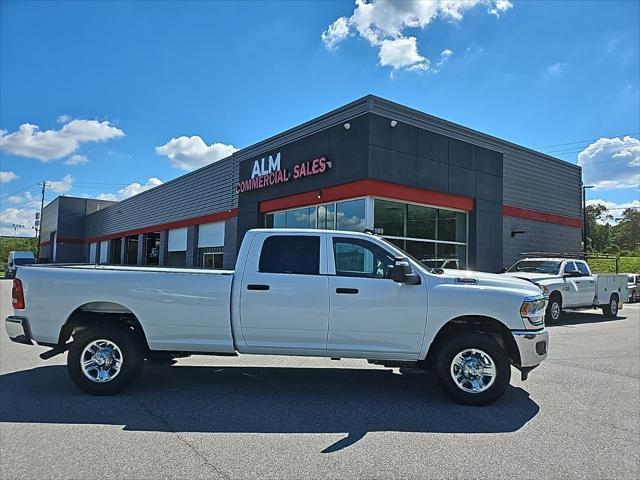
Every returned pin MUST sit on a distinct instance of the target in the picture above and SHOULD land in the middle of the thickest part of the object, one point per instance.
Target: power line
(579, 149)
(584, 141)
(18, 191)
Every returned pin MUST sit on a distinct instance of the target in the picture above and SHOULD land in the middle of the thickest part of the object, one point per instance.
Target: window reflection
(351, 215)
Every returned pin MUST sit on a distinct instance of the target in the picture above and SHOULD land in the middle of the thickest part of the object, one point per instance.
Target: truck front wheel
(610, 310)
(104, 360)
(473, 369)
(554, 309)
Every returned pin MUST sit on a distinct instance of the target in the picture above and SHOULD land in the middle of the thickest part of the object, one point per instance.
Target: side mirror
(402, 272)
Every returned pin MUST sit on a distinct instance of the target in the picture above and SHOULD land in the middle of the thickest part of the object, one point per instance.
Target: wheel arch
(474, 323)
(101, 313)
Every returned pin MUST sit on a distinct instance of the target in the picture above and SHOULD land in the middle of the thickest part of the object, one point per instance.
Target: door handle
(347, 291)
(258, 287)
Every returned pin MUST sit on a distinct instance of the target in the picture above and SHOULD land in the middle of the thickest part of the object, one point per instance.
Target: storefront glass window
(452, 226)
(326, 216)
(421, 222)
(351, 215)
(390, 218)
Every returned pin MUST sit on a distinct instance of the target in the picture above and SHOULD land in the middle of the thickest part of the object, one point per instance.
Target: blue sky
(110, 84)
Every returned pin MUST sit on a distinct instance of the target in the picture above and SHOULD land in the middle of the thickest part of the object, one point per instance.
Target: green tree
(626, 233)
(598, 230)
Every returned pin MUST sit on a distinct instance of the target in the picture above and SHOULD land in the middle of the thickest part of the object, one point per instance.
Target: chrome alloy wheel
(555, 311)
(613, 306)
(473, 370)
(101, 361)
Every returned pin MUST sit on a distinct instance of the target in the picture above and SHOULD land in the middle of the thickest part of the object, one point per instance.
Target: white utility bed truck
(294, 292)
(569, 284)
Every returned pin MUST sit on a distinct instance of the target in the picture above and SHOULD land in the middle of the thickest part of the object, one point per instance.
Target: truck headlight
(532, 310)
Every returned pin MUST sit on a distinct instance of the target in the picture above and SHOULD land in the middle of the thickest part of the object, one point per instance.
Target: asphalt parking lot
(577, 416)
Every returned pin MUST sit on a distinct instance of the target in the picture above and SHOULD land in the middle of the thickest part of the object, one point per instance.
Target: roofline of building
(376, 105)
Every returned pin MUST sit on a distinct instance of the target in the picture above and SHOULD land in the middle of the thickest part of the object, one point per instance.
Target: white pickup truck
(294, 292)
(569, 284)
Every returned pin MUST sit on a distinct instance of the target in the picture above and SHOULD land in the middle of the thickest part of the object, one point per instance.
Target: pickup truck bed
(179, 309)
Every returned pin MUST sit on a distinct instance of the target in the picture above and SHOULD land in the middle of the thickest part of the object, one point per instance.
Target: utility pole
(44, 186)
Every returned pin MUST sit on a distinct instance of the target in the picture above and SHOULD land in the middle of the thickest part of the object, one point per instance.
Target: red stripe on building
(215, 217)
(517, 212)
(369, 187)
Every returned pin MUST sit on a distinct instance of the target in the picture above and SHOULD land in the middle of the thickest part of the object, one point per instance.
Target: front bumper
(532, 345)
(18, 330)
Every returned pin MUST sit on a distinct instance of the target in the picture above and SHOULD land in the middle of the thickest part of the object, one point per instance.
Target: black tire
(131, 352)
(553, 313)
(610, 310)
(458, 343)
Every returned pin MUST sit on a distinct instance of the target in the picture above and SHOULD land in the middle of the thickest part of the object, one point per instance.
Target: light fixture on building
(393, 123)
(347, 126)
(319, 194)
(517, 232)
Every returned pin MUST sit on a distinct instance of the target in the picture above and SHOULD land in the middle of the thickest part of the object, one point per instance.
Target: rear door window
(292, 254)
(583, 269)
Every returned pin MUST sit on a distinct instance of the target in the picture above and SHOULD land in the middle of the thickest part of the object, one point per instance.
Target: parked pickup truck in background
(569, 284)
(294, 292)
(17, 258)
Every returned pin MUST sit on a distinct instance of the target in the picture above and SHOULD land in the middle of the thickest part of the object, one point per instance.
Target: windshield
(23, 261)
(536, 266)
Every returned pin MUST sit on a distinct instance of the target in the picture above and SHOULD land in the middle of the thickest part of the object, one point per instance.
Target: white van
(16, 259)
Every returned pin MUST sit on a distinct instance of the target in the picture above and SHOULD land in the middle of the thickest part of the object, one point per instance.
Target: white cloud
(445, 55)
(60, 186)
(382, 23)
(76, 160)
(402, 53)
(189, 153)
(25, 217)
(64, 118)
(556, 69)
(336, 32)
(611, 163)
(6, 177)
(499, 7)
(614, 209)
(26, 197)
(130, 190)
(29, 141)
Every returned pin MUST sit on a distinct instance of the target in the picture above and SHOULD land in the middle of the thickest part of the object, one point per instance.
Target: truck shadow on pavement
(237, 399)
(573, 317)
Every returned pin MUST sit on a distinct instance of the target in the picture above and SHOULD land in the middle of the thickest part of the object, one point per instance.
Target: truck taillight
(17, 295)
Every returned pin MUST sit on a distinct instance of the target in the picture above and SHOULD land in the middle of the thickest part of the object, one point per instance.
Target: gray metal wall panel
(539, 236)
(201, 192)
(230, 243)
(49, 221)
(535, 183)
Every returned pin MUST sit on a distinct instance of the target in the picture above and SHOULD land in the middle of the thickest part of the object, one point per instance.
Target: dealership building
(448, 195)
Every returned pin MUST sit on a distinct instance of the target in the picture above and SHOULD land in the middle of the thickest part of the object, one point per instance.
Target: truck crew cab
(569, 284)
(294, 292)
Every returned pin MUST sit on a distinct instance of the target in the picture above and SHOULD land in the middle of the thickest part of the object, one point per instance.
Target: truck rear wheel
(473, 369)
(104, 360)
(610, 310)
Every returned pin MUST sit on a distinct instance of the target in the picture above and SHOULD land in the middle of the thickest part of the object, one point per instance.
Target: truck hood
(501, 281)
(530, 276)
